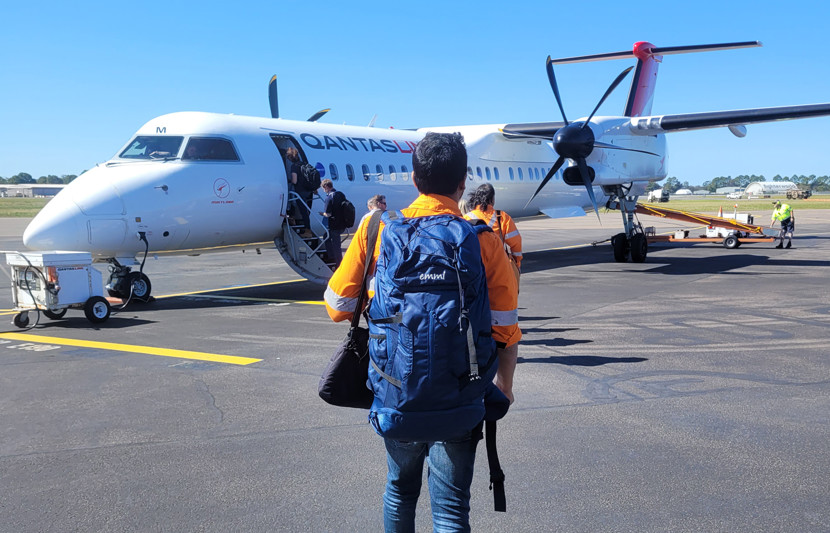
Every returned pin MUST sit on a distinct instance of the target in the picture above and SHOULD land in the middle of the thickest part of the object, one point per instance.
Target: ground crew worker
(439, 164)
(784, 213)
(481, 201)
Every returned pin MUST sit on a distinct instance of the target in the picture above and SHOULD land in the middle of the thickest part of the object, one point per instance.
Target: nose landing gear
(123, 282)
(633, 240)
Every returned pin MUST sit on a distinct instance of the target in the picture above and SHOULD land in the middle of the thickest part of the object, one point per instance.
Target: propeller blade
(316, 116)
(586, 179)
(613, 86)
(555, 88)
(612, 147)
(272, 97)
(556, 166)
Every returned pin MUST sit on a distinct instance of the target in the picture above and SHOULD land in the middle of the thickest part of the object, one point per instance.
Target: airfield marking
(251, 299)
(148, 350)
(204, 294)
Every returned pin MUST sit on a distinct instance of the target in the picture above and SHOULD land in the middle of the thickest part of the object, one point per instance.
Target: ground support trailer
(52, 282)
(732, 232)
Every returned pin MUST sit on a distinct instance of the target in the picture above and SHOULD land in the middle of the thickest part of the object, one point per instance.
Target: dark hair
(440, 163)
(483, 196)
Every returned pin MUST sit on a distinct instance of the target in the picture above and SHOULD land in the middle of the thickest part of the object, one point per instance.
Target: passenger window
(521, 177)
(152, 147)
(349, 172)
(366, 173)
(469, 173)
(537, 172)
(496, 172)
(209, 149)
(487, 171)
(478, 172)
(510, 171)
(379, 170)
(404, 172)
(333, 171)
(392, 174)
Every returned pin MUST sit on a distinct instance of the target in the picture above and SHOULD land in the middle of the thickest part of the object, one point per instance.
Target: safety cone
(720, 212)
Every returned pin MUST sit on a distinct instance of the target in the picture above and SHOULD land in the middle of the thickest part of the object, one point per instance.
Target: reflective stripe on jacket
(507, 230)
(344, 285)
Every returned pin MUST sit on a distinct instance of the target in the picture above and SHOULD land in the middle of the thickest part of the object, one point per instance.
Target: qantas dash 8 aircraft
(190, 183)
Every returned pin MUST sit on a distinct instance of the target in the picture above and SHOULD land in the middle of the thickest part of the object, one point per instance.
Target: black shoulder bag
(343, 383)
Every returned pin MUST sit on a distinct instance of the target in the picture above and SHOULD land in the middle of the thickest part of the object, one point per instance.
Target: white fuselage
(193, 206)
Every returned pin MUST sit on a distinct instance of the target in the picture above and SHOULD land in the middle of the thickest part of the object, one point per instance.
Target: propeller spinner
(576, 140)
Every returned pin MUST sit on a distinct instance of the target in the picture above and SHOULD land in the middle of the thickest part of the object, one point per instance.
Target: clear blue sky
(79, 78)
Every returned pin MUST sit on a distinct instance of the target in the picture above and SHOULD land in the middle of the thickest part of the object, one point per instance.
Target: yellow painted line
(149, 350)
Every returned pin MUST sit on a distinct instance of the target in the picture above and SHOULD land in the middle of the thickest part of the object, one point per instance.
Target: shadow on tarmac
(721, 263)
(580, 360)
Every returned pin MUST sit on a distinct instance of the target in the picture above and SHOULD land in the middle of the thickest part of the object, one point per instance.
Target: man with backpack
(435, 275)
(335, 218)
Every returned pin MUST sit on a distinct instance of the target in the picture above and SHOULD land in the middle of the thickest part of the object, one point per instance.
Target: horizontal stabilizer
(692, 121)
(658, 51)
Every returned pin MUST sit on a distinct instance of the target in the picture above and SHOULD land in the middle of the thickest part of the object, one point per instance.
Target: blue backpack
(432, 355)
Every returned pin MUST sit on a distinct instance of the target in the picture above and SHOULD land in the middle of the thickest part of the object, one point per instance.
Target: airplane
(193, 182)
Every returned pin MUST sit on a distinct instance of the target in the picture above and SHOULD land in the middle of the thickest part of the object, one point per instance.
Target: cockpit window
(209, 149)
(152, 147)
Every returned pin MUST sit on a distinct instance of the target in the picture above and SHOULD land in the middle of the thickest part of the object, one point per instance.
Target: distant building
(680, 192)
(760, 188)
(727, 190)
(30, 190)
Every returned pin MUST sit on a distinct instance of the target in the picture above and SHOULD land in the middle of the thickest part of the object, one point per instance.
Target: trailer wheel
(54, 315)
(731, 242)
(620, 244)
(21, 320)
(639, 248)
(97, 309)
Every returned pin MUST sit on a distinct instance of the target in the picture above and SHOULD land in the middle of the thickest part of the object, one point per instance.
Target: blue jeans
(449, 476)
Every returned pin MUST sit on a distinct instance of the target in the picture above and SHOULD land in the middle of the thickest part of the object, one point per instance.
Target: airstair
(304, 252)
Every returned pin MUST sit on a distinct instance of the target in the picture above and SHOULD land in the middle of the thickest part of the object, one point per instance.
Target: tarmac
(687, 393)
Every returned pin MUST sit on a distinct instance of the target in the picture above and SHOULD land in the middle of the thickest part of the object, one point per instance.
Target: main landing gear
(633, 240)
(122, 282)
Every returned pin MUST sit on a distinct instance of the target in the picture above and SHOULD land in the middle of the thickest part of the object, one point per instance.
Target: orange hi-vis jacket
(344, 285)
(507, 230)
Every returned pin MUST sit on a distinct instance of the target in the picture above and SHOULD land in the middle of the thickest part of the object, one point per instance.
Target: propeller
(316, 116)
(575, 141)
(274, 101)
(272, 97)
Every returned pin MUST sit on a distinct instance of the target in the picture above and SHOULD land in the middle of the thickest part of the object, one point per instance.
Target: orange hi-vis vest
(344, 285)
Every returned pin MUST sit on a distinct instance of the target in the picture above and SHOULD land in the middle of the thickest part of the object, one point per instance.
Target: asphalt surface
(687, 393)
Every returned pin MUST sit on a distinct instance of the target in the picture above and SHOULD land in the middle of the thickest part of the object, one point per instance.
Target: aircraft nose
(60, 225)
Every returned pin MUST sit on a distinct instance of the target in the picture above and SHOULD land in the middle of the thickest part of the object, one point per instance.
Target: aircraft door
(284, 144)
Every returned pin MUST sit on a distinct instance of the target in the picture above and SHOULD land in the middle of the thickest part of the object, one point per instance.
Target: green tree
(671, 185)
(67, 178)
(21, 177)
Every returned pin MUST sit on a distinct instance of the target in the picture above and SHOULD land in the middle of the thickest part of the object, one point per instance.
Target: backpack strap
(496, 473)
(372, 238)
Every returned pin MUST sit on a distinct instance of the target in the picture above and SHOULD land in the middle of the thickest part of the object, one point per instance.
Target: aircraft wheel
(97, 309)
(55, 315)
(620, 244)
(141, 286)
(731, 242)
(639, 248)
(21, 320)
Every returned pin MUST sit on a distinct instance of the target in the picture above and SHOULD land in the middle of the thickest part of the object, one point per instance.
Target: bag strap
(496, 473)
(372, 238)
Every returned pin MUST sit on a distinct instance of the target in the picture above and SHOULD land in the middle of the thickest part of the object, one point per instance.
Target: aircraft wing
(532, 130)
(694, 121)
